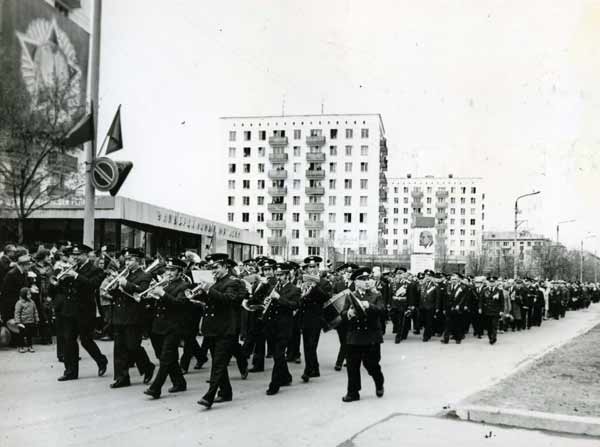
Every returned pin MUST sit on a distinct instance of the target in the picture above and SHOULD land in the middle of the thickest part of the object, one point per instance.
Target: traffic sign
(105, 174)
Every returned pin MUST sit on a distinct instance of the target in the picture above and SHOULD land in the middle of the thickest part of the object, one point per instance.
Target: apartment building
(308, 184)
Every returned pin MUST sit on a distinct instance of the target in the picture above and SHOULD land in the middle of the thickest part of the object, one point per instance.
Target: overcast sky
(505, 90)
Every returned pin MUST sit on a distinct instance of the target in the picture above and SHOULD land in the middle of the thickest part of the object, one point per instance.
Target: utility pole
(558, 228)
(589, 236)
(515, 260)
(90, 147)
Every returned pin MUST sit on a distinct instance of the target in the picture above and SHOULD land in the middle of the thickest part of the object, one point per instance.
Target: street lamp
(558, 228)
(589, 236)
(515, 272)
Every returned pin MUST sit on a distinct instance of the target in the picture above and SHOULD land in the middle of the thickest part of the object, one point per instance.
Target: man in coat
(491, 304)
(14, 280)
(455, 306)
(429, 303)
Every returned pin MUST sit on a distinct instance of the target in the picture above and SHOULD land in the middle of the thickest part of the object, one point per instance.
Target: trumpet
(147, 292)
(115, 280)
(191, 294)
(55, 279)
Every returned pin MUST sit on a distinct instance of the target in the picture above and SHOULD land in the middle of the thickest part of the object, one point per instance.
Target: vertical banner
(423, 245)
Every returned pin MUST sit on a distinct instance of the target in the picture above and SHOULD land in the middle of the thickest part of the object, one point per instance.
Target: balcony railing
(278, 158)
(315, 174)
(313, 241)
(442, 205)
(278, 141)
(313, 157)
(314, 224)
(441, 193)
(314, 207)
(315, 190)
(277, 207)
(441, 215)
(276, 224)
(315, 140)
(277, 174)
(276, 240)
(278, 191)
(417, 194)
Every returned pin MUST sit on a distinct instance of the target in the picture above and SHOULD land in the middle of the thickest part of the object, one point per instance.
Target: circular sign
(105, 174)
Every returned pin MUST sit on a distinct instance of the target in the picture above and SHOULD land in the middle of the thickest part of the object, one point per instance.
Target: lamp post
(515, 262)
(589, 236)
(558, 228)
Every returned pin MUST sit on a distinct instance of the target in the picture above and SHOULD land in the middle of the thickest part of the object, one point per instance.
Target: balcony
(315, 174)
(442, 205)
(278, 191)
(441, 193)
(278, 141)
(278, 158)
(318, 157)
(313, 241)
(277, 207)
(276, 224)
(280, 240)
(314, 190)
(417, 194)
(314, 207)
(314, 224)
(277, 174)
(383, 149)
(416, 205)
(441, 215)
(315, 140)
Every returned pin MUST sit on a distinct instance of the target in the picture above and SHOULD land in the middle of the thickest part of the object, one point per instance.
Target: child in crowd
(27, 318)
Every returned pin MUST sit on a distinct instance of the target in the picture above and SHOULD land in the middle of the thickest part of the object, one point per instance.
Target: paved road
(421, 378)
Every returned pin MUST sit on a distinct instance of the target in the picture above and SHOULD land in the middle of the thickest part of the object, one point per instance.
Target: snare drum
(332, 309)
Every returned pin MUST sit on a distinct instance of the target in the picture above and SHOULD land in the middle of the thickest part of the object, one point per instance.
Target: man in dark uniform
(364, 335)
(539, 304)
(168, 328)
(220, 324)
(490, 306)
(43, 270)
(6, 260)
(429, 303)
(79, 313)
(475, 298)
(314, 295)
(278, 319)
(528, 297)
(342, 283)
(128, 321)
(399, 305)
(455, 306)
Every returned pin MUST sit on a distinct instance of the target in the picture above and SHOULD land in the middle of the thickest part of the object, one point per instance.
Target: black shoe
(288, 383)
(244, 373)
(272, 391)
(199, 365)
(297, 360)
(64, 378)
(102, 368)
(254, 369)
(338, 367)
(427, 339)
(493, 341)
(221, 399)
(120, 384)
(152, 393)
(458, 341)
(314, 374)
(443, 340)
(305, 378)
(350, 398)
(379, 392)
(149, 373)
(397, 340)
(206, 404)
(61, 359)
(269, 356)
(177, 388)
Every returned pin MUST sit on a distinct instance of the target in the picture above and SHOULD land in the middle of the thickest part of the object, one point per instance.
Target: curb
(577, 425)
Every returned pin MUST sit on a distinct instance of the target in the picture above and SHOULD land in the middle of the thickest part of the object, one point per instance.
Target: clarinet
(269, 299)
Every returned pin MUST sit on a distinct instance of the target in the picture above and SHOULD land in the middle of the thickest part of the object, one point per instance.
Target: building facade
(308, 184)
(498, 250)
(454, 208)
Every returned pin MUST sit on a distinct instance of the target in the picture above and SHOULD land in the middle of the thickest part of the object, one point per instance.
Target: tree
(476, 264)
(36, 169)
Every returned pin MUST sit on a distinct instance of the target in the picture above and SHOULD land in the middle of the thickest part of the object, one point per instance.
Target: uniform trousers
(293, 349)
(476, 320)
(536, 315)
(59, 328)
(168, 347)
(491, 326)
(191, 348)
(369, 356)
(454, 325)
(310, 341)
(221, 349)
(128, 348)
(73, 329)
(427, 321)
(254, 344)
(342, 331)
(280, 375)
(526, 313)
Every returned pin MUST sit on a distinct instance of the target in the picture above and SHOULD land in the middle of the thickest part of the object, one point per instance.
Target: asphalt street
(421, 379)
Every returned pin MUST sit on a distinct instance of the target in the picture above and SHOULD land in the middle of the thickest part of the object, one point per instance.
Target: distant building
(498, 249)
(308, 184)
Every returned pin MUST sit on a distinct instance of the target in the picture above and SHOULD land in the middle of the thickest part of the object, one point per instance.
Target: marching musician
(79, 284)
(364, 336)
(343, 282)
(455, 306)
(315, 292)
(168, 327)
(278, 319)
(128, 321)
(429, 302)
(221, 326)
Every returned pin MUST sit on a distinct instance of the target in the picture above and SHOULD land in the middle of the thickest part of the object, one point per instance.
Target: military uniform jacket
(262, 290)
(172, 309)
(399, 295)
(383, 287)
(429, 295)
(223, 304)
(280, 314)
(311, 304)
(14, 280)
(491, 301)
(457, 296)
(80, 296)
(366, 330)
(127, 311)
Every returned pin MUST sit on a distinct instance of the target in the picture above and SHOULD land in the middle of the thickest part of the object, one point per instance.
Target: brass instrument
(147, 292)
(115, 280)
(54, 280)
(191, 294)
(269, 299)
(308, 283)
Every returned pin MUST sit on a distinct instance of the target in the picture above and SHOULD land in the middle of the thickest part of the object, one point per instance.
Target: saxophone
(269, 299)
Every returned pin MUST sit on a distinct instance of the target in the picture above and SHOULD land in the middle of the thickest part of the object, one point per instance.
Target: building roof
(510, 235)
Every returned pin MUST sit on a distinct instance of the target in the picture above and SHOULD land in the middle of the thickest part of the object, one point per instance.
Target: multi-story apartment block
(309, 184)
(456, 205)
(499, 248)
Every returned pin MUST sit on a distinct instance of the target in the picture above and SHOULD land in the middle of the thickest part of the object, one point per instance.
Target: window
(331, 200)
(261, 152)
(232, 168)
(364, 133)
(362, 217)
(462, 200)
(332, 184)
(229, 217)
(363, 200)
(463, 190)
(428, 211)
(262, 135)
(331, 234)
(348, 133)
(348, 183)
(472, 200)
(331, 217)
(297, 134)
(247, 152)
(453, 200)
(405, 231)
(395, 231)
(405, 190)
(261, 233)
(295, 217)
(428, 200)
(364, 183)
(349, 151)
(314, 251)
(246, 201)
(295, 234)
(261, 167)
(473, 190)
(246, 184)
(395, 241)
(405, 210)
(364, 166)
(245, 217)
(231, 200)
(295, 250)
(260, 200)
(296, 184)
(332, 167)
(452, 232)
(275, 249)
(296, 167)
(333, 134)
(347, 200)
(231, 184)
(348, 166)
(406, 200)
(232, 135)
(246, 168)
(362, 235)
(405, 221)
(297, 151)
(260, 217)
(462, 232)
(462, 221)
(395, 200)
(347, 217)
(312, 234)
(261, 184)
(395, 210)
(364, 150)
(472, 243)
(232, 152)
(472, 221)
(296, 200)
(333, 150)
(247, 135)
(462, 211)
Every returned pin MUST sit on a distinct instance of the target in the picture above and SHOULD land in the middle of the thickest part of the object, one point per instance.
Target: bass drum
(332, 309)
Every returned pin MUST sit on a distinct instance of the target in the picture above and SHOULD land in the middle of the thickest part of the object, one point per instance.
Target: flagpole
(90, 147)
(102, 145)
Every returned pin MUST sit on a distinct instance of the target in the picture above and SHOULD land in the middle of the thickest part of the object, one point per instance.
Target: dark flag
(115, 137)
(80, 133)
